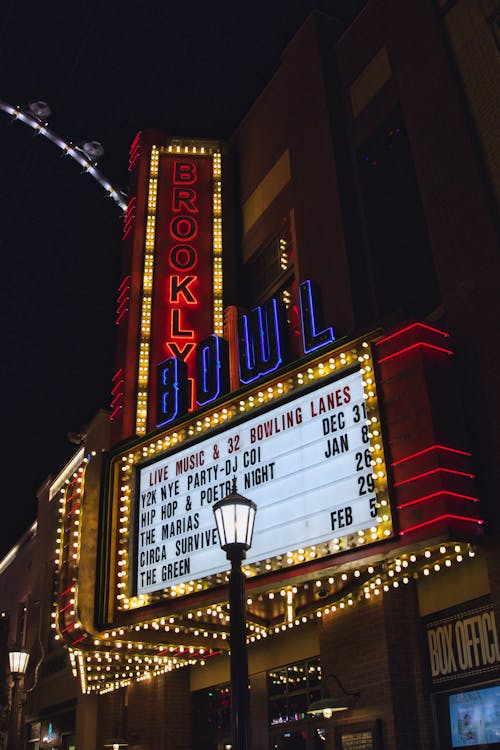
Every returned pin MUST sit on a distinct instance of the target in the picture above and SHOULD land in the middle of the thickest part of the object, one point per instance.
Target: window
(494, 22)
(211, 717)
(22, 624)
(268, 273)
(402, 261)
(269, 267)
(291, 689)
(469, 717)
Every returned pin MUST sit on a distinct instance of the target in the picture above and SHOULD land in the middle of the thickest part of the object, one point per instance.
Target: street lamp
(18, 662)
(330, 704)
(235, 517)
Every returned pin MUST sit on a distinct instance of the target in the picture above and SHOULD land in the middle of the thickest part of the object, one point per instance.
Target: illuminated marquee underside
(160, 644)
(140, 636)
(179, 636)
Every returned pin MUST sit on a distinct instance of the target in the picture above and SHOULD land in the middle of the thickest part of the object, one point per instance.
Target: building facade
(343, 244)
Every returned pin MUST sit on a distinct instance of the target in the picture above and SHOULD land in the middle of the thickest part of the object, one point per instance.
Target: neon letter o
(183, 257)
(183, 228)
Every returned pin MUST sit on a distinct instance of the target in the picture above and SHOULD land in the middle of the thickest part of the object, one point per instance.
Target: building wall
(380, 65)
(378, 646)
(16, 586)
(296, 157)
(473, 30)
(301, 130)
(29, 581)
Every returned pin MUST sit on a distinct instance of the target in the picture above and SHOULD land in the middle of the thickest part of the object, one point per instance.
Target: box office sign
(463, 644)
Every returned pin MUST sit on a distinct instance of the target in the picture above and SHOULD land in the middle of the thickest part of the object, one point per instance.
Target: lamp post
(235, 517)
(18, 663)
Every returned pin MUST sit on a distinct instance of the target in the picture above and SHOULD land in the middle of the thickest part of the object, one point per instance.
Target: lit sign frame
(305, 462)
(124, 466)
(176, 267)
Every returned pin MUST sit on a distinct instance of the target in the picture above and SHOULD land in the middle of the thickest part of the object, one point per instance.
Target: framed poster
(365, 736)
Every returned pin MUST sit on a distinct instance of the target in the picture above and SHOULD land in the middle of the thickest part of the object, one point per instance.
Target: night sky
(107, 69)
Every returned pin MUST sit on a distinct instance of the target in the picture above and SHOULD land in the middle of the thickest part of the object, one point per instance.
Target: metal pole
(240, 702)
(16, 718)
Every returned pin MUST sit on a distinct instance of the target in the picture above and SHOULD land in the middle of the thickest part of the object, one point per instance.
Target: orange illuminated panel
(182, 275)
(182, 287)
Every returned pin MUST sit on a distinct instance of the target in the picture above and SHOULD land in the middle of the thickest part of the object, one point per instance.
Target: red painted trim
(434, 471)
(436, 494)
(127, 231)
(479, 521)
(116, 399)
(116, 387)
(409, 328)
(133, 160)
(68, 627)
(123, 293)
(136, 140)
(427, 450)
(134, 150)
(78, 640)
(164, 651)
(115, 412)
(122, 304)
(121, 315)
(126, 280)
(415, 346)
(66, 591)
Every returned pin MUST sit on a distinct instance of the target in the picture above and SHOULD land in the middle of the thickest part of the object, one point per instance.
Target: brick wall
(471, 29)
(159, 713)
(110, 716)
(376, 648)
(407, 667)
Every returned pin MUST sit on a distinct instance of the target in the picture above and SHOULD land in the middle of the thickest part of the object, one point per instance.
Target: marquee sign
(305, 445)
(306, 463)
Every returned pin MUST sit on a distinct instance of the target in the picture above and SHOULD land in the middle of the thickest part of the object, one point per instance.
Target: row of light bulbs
(107, 670)
(217, 281)
(143, 665)
(147, 291)
(86, 662)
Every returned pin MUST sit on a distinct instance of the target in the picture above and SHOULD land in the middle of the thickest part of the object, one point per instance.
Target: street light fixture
(330, 704)
(235, 516)
(18, 663)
